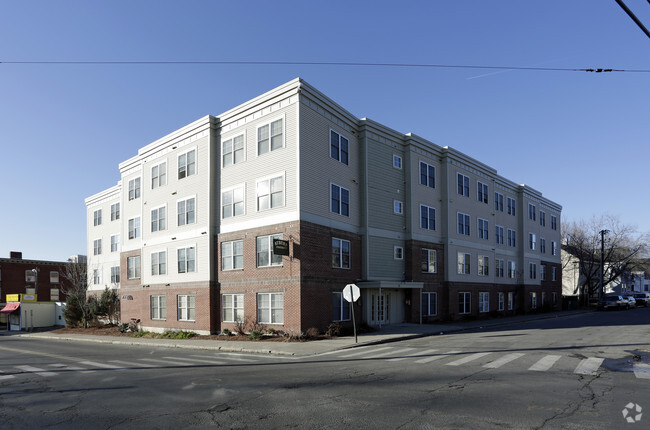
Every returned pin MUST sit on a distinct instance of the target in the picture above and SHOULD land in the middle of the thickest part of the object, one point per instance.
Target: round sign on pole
(351, 293)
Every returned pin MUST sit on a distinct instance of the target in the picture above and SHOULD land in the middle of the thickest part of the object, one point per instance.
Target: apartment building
(267, 211)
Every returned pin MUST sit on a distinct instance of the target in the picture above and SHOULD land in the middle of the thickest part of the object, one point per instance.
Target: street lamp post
(602, 263)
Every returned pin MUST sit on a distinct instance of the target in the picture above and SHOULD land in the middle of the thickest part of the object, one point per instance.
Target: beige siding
(382, 264)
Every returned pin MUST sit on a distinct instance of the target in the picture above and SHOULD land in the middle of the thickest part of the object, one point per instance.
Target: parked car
(613, 302)
(642, 299)
(631, 301)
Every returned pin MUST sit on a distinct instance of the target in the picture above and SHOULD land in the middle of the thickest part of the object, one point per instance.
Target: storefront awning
(10, 307)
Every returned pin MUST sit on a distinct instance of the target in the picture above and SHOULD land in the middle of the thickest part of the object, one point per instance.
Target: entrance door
(380, 309)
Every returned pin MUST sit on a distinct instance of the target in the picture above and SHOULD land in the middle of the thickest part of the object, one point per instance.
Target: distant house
(267, 211)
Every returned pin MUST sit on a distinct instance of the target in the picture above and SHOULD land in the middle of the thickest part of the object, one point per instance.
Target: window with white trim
(553, 222)
(232, 202)
(265, 255)
(186, 259)
(532, 241)
(533, 300)
(531, 211)
(427, 217)
(115, 211)
(340, 253)
(427, 175)
(498, 235)
(553, 273)
(159, 175)
(553, 247)
(464, 263)
(398, 253)
(397, 161)
(97, 278)
(483, 301)
(187, 164)
(340, 307)
(97, 217)
(512, 238)
(134, 228)
(134, 189)
(340, 200)
(133, 267)
(115, 275)
(463, 224)
(186, 307)
(54, 277)
(97, 247)
(232, 307)
(483, 228)
(429, 261)
(542, 245)
(542, 218)
(499, 268)
(270, 308)
(233, 150)
(482, 192)
(398, 207)
(429, 304)
(501, 301)
(270, 193)
(158, 219)
(186, 210)
(270, 137)
(463, 184)
(511, 205)
(159, 263)
(542, 272)
(158, 307)
(511, 300)
(532, 270)
(232, 255)
(464, 302)
(483, 265)
(512, 269)
(115, 243)
(498, 202)
(339, 147)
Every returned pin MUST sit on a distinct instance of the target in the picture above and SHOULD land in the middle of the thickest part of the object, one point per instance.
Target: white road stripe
(419, 354)
(589, 366)
(73, 369)
(102, 365)
(166, 362)
(40, 372)
(641, 370)
(5, 376)
(127, 364)
(383, 354)
(196, 360)
(503, 360)
(365, 351)
(436, 357)
(228, 356)
(545, 363)
(469, 358)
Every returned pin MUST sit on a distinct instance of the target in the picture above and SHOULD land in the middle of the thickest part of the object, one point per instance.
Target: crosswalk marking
(103, 365)
(40, 372)
(503, 360)
(641, 370)
(469, 358)
(70, 369)
(437, 357)
(235, 357)
(195, 360)
(5, 376)
(127, 364)
(365, 351)
(544, 363)
(383, 354)
(419, 354)
(588, 366)
(167, 362)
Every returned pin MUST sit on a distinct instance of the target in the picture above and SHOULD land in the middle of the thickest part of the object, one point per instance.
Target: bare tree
(622, 251)
(77, 308)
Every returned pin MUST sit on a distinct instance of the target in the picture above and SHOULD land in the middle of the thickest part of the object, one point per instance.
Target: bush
(255, 335)
(312, 333)
(124, 327)
(226, 332)
(172, 334)
(241, 325)
(334, 329)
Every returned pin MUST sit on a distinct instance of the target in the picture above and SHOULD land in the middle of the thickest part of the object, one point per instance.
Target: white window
(553, 222)
(233, 150)
(270, 137)
(542, 245)
(232, 307)
(339, 200)
(512, 237)
(511, 206)
(339, 147)
(482, 192)
(483, 301)
(186, 258)
(533, 300)
(159, 175)
(54, 277)
(159, 219)
(483, 227)
(115, 275)
(501, 300)
(340, 253)
(483, 265)
(232, 255)
(554, 274)
(158, 305)
(54, 294)
(340, 307)
(427, 217)
(134, 228)
(115, 211)
(464, 303)
(463, 223)
(134, 189)
(499, 268)
(498, 202)
(463, 263)
(159, 263)
(397, 161)
(265, 255)
(187, 164)
(115, 243)
(427, 175)
(553, 248)
(542, 218)
(429, 261)
(186, 307)
(270, 193)
(532, 270)
(97, 217)
(97, 247)
(398, 207)
(429, 304)
(512, 269)
(531, 211)
(97, 277)
(463, 184)
(532, 241)
(186, 211)
(30, 276)
(232, 202)
(511, 301)
(133, 267)
(270, 308)
(498, 235)
(398, 253)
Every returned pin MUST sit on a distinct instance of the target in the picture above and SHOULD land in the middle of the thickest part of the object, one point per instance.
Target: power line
(634, 18)
(324, 63)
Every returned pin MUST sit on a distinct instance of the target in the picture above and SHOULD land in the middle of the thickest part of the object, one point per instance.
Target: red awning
(10, 307)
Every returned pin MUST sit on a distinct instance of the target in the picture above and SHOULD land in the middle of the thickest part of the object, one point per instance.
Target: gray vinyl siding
(382, 264)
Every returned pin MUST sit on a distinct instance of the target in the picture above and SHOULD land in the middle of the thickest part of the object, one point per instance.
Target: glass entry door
(380, 308)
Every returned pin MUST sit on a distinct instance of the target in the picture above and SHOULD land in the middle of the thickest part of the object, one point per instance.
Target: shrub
(255, 335)
(124, 327)
(294, 336)
(334, 329)
(141, 333)
(173, 334)
(226, 332)
(312, 332)
(241, 325)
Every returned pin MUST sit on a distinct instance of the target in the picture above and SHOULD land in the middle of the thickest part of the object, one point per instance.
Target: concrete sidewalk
(391, 333)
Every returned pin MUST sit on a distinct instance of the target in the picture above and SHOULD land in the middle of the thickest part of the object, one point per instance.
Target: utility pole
(602, 263)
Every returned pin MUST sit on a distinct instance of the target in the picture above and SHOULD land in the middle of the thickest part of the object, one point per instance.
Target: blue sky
(580, 138)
